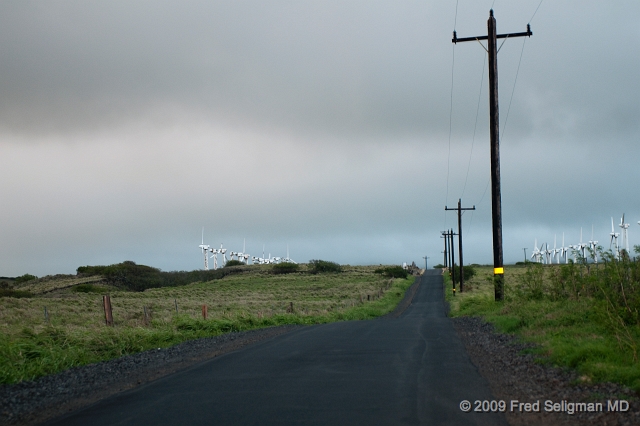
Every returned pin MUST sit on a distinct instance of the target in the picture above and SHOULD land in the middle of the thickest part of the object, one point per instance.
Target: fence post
(108, 314)
(46, 315)
(175, 301)
(147, 315)
(204, 311)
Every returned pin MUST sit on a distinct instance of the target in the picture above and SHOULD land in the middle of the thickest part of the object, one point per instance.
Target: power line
(455, 20)
(475, 126)
(534, 13)
(513, 89)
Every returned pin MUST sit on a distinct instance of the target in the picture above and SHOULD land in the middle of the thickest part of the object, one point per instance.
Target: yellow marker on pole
(498, 271)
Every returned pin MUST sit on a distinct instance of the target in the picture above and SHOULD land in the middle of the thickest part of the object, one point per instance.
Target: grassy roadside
(76, 335)
(571, 312)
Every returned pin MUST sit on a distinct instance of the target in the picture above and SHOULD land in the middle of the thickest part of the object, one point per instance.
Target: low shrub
(87, 288)
(393, 272)
(322, 266)
(7, 292)
(285, 268)
(233, 262)
(25, 278)
(468, 271)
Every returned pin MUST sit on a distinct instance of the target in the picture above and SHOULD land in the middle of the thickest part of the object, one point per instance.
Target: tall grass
(583, 315)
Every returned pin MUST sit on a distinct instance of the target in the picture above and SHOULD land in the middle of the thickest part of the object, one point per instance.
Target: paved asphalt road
(408, 370)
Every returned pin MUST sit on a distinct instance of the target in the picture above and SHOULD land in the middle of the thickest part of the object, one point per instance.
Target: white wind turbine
(614, 237)
(556, 251)
(536, 252)
(563, 250)
(593, 245)
(223, 252)
(244, 254)
(257, 259)
(575, 248)
(289, 260)
(547, 254)
(582, 246)
(205, 250)
(240, 255)
(214, 256)
(625, 235)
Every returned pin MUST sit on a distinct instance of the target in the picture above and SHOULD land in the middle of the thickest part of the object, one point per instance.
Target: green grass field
(582, 331)
(76, 334)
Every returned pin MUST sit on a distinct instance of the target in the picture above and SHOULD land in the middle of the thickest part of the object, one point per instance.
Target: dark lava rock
(513, 375)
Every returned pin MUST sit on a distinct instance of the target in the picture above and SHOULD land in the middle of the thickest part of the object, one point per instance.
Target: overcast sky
(341, 128)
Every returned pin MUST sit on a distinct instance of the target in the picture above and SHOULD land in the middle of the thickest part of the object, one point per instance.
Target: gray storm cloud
(127, 126)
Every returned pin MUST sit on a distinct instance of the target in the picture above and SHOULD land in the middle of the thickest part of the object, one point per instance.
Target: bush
(468, 271)
(285, 268)
(6, 292)
(393, 272)
(87, 288)
(233, 262)
(321, 266)
(439, 266)
(25, 278)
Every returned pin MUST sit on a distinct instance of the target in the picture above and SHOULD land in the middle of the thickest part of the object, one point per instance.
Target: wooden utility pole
(494, 126)
(425, 262)
(445, 235)
(460, 209)
(453, 257)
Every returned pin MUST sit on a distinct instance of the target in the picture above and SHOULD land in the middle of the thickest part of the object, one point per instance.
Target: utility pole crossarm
(456, 40)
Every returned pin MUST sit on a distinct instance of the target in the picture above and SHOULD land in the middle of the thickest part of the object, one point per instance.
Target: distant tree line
(130, 276)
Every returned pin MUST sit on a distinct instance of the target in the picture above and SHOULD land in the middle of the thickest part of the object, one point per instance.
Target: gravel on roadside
(513, 375)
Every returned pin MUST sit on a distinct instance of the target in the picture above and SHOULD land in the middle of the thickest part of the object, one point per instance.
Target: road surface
(409, 370)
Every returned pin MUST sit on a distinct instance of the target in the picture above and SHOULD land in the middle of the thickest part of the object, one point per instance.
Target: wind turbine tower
(223, 252)
(625, 235)
(593, 245)
(536, 252)
(214, 256)
(614, 237)
(581, 246)
(205, 251)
